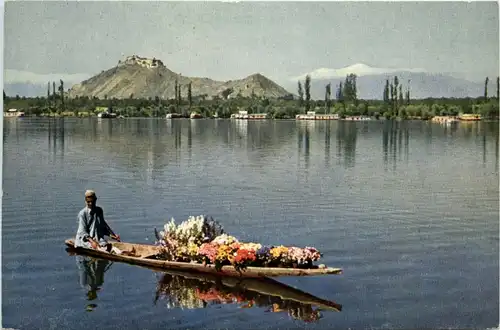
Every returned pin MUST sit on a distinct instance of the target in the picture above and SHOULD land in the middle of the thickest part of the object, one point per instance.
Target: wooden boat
(145, 255)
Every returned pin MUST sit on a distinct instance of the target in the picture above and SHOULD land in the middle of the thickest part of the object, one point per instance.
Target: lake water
(409, 210)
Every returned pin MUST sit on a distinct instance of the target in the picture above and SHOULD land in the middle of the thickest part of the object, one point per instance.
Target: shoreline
(346, 119)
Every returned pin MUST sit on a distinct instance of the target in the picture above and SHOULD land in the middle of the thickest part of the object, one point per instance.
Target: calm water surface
(408, 210)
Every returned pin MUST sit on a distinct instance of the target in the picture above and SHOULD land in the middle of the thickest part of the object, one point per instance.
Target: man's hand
(116, 237)
(93, 244)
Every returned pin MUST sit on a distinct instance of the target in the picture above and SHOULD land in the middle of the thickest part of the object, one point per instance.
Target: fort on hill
(142, 61)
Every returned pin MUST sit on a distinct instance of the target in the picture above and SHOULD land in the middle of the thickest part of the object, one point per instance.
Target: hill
(140, 77)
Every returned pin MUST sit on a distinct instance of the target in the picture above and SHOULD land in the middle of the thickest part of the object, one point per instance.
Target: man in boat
(92, 227)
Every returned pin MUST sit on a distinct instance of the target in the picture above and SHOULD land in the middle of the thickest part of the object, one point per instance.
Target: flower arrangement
(181, 243)
(201, 239)
(209, 251)
(224, 239)
(244, 258)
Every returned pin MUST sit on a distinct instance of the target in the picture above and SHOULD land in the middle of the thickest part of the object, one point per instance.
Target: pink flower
(209, 250)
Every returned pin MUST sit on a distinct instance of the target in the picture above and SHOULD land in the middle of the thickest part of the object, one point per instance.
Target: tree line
(396, 103)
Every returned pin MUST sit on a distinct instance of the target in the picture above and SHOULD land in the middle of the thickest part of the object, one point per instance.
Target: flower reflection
(201, 291)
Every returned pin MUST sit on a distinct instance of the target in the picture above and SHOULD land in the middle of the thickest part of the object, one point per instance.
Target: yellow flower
(225, 253)
(278, 251)
(192, 249)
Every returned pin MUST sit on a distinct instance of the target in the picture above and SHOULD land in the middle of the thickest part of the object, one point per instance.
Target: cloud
(17, 76)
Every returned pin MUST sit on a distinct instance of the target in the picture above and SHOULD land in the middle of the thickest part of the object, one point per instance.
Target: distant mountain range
(24, 83)
(371, 81)
(142, 77)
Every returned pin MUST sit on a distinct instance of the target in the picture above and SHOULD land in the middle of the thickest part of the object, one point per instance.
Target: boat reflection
(186, 290)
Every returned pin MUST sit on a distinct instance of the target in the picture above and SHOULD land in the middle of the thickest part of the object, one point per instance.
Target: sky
(230, 40)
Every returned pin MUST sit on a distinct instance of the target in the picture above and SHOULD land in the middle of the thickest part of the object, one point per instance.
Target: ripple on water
(416, 232)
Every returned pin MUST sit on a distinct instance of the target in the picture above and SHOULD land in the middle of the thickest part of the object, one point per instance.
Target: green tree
(307, 87)
(386, 92)
(486, 89)
(61, 90)
(354, 89)
(340, 93)
(498, 88)
(190, 96)
(157, 109)
(328, 94)
(350, 90)
(300, 91)
(396, 101)
(392, 99)
(408, 93)
(176, 87)
(347, 89)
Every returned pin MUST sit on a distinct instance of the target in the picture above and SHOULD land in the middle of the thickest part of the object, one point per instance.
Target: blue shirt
(91, 224)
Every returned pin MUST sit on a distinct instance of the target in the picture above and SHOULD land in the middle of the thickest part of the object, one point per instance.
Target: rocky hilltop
(140, 77)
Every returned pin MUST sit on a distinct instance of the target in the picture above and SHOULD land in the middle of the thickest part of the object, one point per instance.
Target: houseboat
(173, 115)
(106, 115)
(357, 118)
(247, 116)
(469, 117)
(13, 113)
(447, 120)
(311, 115)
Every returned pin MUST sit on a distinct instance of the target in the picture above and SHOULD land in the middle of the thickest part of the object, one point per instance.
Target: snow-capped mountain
(371, 81)
(26, 83)
(359, 69)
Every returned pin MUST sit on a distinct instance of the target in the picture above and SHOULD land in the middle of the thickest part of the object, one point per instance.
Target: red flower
(244, 256)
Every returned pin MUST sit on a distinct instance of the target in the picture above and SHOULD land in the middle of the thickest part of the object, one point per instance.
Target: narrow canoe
(143, 255)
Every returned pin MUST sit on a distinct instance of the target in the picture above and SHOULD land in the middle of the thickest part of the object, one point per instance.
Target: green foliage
(307, 87)
(394, 104)
(190, 95)
(486, 110)
(486, 88)
(386, 92)
(498, 88)
(349, 91)
(340, 93)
